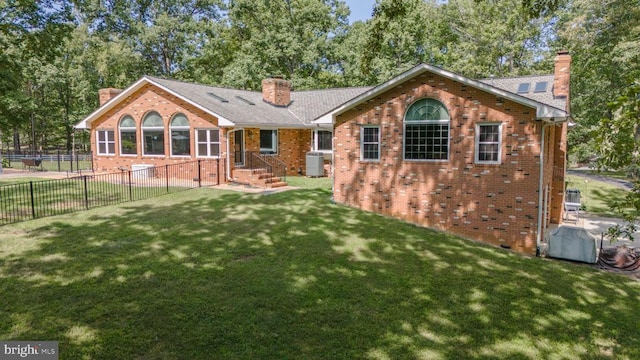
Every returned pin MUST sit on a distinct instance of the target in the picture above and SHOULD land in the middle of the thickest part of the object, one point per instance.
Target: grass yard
(597, 197)
(210, 274)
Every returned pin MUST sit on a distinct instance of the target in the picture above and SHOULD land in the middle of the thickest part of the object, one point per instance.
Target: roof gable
(544, 111)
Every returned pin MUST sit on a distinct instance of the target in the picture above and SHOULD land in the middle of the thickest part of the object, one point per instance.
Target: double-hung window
(269, 141)
(322, 140)
(106, 142)
(153, 134)
(488, 143)
(426, 131)
(128, 136)
(208, 142)
(370, 143)
(180, 138)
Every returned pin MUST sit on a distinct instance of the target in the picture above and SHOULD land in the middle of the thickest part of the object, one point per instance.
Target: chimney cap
(562, 52)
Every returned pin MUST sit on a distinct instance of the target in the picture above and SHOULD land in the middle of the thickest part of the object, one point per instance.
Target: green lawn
(211, 274)
(597, 197)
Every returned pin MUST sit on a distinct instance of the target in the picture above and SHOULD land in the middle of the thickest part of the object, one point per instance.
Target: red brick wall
(137, 105)
(496, 204)
(293, 144)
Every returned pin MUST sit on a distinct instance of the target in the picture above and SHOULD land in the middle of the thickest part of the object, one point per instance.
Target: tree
(167, 34)
(602, 37)
(619, 147)
(494, 38)
(400, 35)
(29, 31)
(293, 38)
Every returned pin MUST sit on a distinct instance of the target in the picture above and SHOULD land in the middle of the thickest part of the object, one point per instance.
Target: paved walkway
(597, 225)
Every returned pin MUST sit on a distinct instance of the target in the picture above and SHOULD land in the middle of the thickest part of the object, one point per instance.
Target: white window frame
(273, 150)
(440, 122)
(208, 142)
(363, 143)
(179, 128)
(477, 143)
(316, 141)
(133, 130)
(153, 128)
(108, 141)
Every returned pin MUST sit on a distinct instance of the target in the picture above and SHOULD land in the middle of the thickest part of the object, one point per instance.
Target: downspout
(541, 190)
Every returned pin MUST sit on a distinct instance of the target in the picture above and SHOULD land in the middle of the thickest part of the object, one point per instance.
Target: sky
(360, 9)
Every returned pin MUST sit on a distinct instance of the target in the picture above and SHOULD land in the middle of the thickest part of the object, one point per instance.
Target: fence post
(33, 202)
(199, 175)
(130, 189)
(86, 193)
(218, 169)
(59, 168)
(166, 175)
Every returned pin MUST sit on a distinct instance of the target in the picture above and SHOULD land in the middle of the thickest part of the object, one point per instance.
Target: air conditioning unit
(143, 171)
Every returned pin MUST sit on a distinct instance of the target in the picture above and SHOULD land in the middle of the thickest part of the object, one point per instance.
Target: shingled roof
(243, 108)
(511, 84)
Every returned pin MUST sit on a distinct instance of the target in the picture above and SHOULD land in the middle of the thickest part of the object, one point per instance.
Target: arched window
(128, 136)
(153, 134)
(426, 131)
(180, 139)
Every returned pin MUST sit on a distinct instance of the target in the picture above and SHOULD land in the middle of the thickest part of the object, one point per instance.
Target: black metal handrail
(269, 162)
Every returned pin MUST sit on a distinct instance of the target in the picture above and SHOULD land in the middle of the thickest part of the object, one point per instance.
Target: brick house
(156, 122)
(483, 159)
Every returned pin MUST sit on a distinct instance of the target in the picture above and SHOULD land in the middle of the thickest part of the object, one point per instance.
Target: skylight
(523, 88)
(221, 99)
(541, 86)
(245, 100)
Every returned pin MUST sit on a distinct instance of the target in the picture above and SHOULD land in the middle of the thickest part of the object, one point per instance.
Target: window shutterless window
(488, 143)
(269, 141)
(370, 143)
(322, 140)
(128, 139)
(180, 136)
(106, 142)
(208, 143)
(426, 131)
(153, 134)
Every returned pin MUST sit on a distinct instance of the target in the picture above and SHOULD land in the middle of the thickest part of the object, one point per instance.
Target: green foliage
(293, 38)
(57, 54)
(602, 37)
(618, 142)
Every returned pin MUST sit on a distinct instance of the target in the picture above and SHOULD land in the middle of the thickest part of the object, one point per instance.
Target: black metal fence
(48, 160)
(37, 199)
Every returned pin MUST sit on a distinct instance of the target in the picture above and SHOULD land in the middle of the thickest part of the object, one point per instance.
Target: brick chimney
(561, 75)
(276, 91)
(108, 94)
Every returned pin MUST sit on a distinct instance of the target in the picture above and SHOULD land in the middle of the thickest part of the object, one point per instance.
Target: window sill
(424, 161)
(488, 163)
